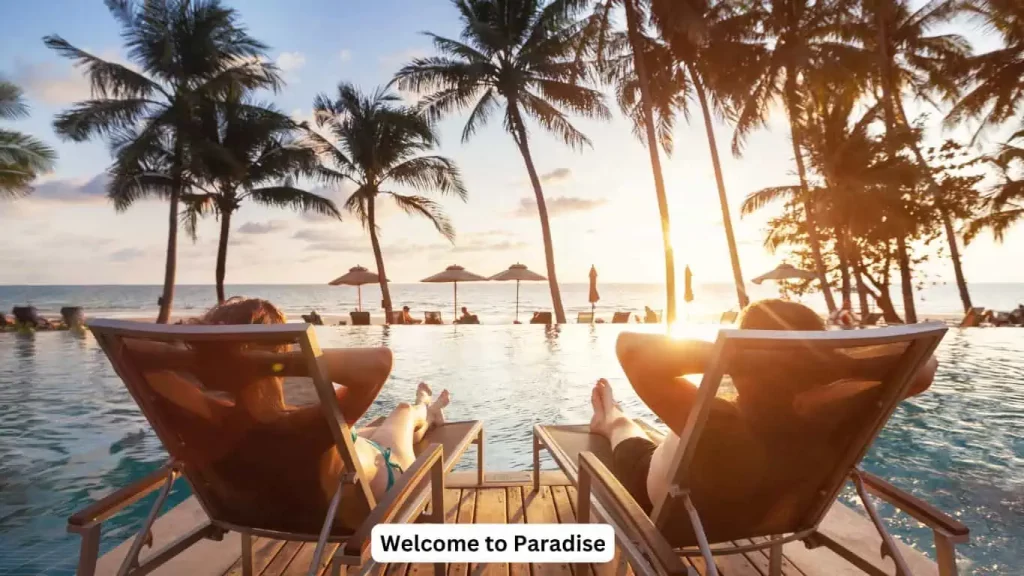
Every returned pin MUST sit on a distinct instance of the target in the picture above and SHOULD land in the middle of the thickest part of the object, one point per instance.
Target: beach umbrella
(356, 277)
(688, 294)
(455, 274)
(517, 272)
(785, 272)
(594, 296)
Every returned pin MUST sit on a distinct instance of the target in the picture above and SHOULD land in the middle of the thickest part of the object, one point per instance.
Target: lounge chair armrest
(114, 502)
(924, 512)
(621, 505)
(396, 497)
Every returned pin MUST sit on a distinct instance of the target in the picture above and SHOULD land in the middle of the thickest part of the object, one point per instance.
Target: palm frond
(293, 198)
(428, 209)
(100, 118)
(429, 173)
(757, 200)
(12, 101)
(107, 79)
(553, 120)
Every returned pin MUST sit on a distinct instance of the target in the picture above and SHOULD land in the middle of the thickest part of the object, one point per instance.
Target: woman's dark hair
(241, 310)
(775, 314)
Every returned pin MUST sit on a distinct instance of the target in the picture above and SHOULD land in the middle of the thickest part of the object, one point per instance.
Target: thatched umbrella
(785, 272)
(455, 274)
(517, 272)
(356, 277)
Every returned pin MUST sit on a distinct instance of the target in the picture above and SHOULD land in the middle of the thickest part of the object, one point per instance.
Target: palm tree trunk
(633, 28)
(730, 237)
(844, 267)
(222, 252)
(519, 136)
(862, 293)
(812, 226)
(906, 279)
(371, 219)
(170, 266)
(947, 222)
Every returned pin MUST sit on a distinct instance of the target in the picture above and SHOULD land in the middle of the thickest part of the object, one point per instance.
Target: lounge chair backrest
(815, 403)
(212, 395)
(972, 318)
(728, 317)
(397, 317)
(621, 317)
(360, 318)
(432, 318)
(871, 318)
(541, 318)
(585, 318)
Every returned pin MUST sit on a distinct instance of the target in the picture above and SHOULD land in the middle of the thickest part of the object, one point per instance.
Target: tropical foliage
(519, 58)
(373, 143)
(22, 157)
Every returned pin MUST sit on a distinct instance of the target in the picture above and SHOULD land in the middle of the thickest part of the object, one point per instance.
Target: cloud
(502, 246)
(127, 254)
(72, 190)
(262, 227)
(315, 235)
(60, 84)
(291, 61)
(556, 175)
(345, 55)
(397, 59)
(558, 206)
(339, 245)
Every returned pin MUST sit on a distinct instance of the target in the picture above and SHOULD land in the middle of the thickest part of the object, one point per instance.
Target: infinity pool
(70, 433)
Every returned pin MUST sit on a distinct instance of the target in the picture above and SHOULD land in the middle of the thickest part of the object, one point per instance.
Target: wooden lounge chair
(973, 317)
(397, 318)
(255, 476)
(729, 317)
(871, 319)
(432, 318)
(656, 319)
(360, 318)
(541, 318)
(585, 318)
(834, 425)
(621, 317)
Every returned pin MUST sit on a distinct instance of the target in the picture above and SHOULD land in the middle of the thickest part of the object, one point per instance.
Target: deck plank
(788, 567)
(566, 515)
(608, 568)
(491, 508)
(280, 563)
(299, 566)
(452, 499)
(467, 511)
(516, 515)
(540, 509)
(263, 551)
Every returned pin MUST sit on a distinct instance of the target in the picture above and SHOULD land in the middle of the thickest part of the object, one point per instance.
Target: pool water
(69, 432)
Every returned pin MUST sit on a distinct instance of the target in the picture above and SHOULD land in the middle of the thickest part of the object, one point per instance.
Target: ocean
(493, 302)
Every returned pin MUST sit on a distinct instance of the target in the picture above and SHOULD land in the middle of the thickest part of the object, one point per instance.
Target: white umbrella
(517, 272)
(455, 274)
(785, 272)
(356, 276)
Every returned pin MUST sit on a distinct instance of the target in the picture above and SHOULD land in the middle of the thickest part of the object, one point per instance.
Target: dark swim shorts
(631, 462)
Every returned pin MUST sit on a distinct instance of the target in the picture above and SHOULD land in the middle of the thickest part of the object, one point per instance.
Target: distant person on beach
(297, 446)
(654, 365)
(467, 318)
(407, 317)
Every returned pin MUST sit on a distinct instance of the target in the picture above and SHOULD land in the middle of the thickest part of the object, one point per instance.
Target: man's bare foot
(424, 393)
(435, 412)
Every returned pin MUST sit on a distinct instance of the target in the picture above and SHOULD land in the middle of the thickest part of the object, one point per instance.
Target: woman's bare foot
(606, 411)
(597, 421)
(435, 411)
(424, 393)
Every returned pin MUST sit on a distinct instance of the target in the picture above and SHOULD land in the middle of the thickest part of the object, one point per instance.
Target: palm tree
(802, 38)
(1006, 203)
(519, 55)
(911, 60)
(184, 51)
(22, 157)
(248, 151)
(996, 78)
(375, 142)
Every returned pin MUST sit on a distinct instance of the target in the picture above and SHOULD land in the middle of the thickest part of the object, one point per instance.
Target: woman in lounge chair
(302, 444)
(407, 317)
(655, 364)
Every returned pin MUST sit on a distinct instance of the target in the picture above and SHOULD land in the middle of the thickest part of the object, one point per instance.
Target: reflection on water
(70, 433)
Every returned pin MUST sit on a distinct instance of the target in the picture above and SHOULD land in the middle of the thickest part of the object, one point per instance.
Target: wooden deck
(504, 498)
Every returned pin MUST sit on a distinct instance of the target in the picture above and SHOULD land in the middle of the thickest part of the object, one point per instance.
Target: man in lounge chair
(407, 317)
(654, 365)
(384, 451)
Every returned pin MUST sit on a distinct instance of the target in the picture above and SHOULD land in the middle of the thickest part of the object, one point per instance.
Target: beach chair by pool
(258, 477)
(397, 318)
(871, 319)
(728, 317)
(541, 318)
(432, 318)
(621, 317)
(973, 317)
(862, 378)
(585, 318)
(360, 318)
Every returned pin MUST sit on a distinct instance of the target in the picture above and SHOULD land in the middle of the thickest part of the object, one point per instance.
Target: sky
(601, 200)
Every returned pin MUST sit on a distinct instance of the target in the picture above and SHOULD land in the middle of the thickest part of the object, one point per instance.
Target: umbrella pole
(517, 300)
(455, 309)
(359, 291)
(591, 312)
